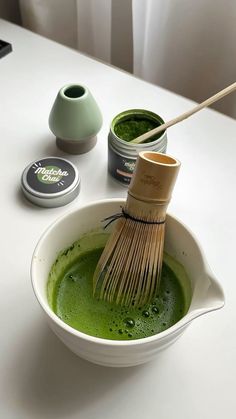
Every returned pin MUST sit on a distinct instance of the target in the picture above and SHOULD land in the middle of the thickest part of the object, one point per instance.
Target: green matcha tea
(70, 295)
(134, 127)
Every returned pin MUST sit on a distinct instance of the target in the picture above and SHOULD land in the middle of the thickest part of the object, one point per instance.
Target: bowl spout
(208, 295)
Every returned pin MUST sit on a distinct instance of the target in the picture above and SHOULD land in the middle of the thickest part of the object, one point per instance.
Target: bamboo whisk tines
(129, 269)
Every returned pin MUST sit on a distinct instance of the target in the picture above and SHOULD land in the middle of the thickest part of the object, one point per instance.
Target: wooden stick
(185, 115)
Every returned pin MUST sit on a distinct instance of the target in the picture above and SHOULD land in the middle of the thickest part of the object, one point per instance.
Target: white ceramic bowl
(207, 294)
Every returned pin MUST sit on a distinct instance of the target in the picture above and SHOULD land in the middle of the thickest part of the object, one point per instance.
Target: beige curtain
(101, 28)
(186, 46)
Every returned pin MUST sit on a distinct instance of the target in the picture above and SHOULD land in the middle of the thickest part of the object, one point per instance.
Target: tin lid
(50, 182)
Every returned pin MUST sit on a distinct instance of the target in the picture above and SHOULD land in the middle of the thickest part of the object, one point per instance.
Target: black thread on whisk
(141, 221)
(124, 214)
(112, 218)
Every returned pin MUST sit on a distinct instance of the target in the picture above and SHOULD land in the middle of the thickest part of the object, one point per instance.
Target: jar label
(120, 167)
(50, 175)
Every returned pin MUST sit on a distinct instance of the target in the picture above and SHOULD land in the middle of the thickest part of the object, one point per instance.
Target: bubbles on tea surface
(129, 322)
(119, 323)
(155, 309)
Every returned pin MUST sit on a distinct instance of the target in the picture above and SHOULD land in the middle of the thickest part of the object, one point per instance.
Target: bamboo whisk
(129, 268)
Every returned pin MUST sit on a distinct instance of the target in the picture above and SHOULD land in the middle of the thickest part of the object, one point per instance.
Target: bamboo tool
(185, 115)
(129, 269)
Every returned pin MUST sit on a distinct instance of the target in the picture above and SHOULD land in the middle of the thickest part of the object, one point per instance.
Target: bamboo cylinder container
(152, 185)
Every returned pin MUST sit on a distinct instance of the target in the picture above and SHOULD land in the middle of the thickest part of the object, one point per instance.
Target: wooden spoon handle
(207, 102)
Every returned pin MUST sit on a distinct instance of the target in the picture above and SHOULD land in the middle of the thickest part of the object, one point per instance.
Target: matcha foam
(70, 295)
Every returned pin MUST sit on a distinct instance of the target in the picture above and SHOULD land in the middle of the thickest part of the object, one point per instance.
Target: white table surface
(40, 378)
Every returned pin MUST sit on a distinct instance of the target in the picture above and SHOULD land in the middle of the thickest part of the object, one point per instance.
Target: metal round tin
(50, 182)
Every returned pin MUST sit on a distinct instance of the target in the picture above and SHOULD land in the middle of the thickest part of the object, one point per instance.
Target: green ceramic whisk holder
(75, 119)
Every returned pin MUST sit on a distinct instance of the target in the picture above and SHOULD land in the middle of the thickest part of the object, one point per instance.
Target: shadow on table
(54, 383)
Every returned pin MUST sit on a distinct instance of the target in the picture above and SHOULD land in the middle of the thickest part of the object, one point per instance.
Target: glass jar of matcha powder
(122, 154)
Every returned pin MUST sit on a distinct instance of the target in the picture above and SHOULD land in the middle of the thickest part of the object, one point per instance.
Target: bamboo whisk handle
(154, 177)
